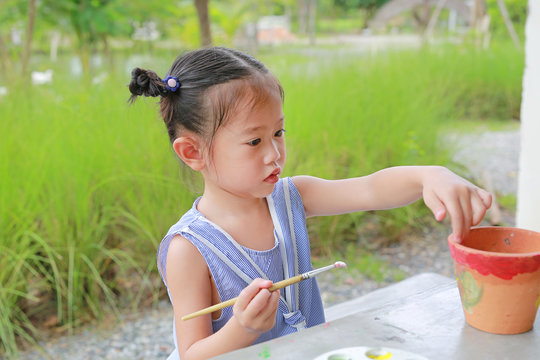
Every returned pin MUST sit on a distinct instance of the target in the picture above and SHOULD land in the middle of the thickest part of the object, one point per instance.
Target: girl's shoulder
(302, 181)
(189, 217)
(176, 232)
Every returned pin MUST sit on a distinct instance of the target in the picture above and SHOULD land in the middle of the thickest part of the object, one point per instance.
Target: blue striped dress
(234, 266)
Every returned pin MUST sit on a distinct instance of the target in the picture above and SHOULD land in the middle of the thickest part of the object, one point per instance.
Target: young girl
(223, 112)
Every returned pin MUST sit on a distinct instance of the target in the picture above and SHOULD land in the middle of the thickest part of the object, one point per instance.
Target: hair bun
(140, 77)
(145, 83)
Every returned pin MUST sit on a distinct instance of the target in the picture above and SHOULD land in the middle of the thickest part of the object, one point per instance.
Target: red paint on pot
(503, 267)
(499, 251)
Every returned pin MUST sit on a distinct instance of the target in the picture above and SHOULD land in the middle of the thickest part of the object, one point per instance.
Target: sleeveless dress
(234, 266)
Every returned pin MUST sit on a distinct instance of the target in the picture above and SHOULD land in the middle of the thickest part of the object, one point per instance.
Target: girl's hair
(213, 81)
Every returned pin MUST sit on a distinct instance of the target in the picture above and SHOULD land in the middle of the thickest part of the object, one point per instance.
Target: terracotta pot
(498, 275)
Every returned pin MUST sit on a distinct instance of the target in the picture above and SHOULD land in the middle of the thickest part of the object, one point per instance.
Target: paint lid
(378, 353)
(369, 352)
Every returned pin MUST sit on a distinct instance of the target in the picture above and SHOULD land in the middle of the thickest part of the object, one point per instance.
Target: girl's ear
(189, 149)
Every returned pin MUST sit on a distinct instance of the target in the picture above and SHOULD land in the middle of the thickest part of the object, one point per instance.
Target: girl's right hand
(256, 307)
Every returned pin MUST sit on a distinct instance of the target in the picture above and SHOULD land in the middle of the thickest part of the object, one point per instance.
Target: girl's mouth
(273, 177)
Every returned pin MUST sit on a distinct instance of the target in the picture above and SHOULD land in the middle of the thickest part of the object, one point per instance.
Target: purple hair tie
(171, 83)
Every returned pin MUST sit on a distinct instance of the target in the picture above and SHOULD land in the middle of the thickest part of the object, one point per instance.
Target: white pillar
(528, 194)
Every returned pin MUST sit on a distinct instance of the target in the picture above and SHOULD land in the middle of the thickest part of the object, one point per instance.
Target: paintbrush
(276, 286)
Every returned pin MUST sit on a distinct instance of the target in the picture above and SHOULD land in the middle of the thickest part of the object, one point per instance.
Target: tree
(204, 22)
(369, 7)
(29, 35)
(508, 23)
(12, 13)
(517, 12)
(421, 11)
(92, 22)
(307, 13)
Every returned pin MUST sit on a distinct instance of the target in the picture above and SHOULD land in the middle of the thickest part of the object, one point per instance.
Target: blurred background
(89, 185)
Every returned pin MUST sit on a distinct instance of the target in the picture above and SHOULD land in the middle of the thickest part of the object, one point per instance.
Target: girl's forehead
(243, 101)
(258, 109)
(258, 91)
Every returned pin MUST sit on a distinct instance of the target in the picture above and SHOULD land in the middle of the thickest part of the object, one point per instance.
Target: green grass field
(89, 185)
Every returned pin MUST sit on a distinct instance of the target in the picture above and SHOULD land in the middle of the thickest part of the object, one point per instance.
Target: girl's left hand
(256, 307)
(445, 192)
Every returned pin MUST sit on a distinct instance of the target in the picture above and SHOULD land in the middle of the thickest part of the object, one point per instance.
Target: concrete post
(528, 194)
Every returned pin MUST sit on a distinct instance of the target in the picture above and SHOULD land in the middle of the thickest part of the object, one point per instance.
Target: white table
(422, 315)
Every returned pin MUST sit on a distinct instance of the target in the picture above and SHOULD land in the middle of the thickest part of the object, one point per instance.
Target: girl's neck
(218, 206)
(247, 220)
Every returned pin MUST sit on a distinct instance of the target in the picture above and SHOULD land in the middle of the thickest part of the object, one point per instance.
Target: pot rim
(466, 249)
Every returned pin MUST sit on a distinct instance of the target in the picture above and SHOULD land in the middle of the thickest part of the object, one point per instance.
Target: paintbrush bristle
(340, 264)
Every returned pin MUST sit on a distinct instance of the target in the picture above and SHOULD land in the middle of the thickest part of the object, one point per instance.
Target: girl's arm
(443, 192)
(190, 286)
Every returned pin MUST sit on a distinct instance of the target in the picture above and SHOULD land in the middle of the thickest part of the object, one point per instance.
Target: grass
(361, 263)
(88, 185)
(508, 202)
(82, 174)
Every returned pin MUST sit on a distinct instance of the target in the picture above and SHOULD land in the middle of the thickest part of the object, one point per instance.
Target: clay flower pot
(498, 275)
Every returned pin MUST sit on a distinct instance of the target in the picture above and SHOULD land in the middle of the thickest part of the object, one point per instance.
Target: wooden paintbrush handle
(210, 309)
(279, 285)
(284, 283)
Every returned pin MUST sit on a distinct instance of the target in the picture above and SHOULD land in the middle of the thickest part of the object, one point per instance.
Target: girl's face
(248, 152)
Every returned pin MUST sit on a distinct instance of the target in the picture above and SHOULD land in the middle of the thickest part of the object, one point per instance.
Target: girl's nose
(273, 152)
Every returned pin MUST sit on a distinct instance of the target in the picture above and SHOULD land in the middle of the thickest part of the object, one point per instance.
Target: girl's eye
(254, 142)
(280, 132)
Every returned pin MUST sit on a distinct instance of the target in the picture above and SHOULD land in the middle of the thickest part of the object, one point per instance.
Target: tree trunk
(108, 55)
(56, 38)
(433, 20)
(204, 22)
(83, 51)
(6, 66)
(528, 199)
(421, 15)
(29, 35)
(508, 23)
(303, 7)
(367, 16)
(478, 10)
(312, 21)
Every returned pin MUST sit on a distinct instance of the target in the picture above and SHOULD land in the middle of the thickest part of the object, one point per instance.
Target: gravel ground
(495, 153)
(148, 334)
